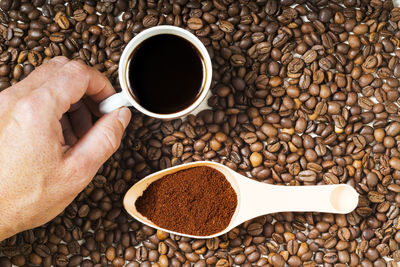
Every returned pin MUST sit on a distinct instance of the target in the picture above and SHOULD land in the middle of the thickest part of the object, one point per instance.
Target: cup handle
(113, 102)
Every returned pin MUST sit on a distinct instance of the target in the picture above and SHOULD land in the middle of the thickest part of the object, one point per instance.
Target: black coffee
(165, 74)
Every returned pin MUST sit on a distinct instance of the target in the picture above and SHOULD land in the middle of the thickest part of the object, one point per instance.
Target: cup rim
(144, 35)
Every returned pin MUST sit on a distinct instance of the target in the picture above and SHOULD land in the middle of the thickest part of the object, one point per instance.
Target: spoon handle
(260, 198)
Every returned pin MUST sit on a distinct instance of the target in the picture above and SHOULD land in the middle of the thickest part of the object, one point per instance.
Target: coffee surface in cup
(165, 74)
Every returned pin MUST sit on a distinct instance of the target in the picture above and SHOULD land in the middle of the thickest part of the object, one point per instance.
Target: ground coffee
(197, 201)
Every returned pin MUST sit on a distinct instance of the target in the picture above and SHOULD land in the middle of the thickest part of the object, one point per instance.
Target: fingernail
(124, 116)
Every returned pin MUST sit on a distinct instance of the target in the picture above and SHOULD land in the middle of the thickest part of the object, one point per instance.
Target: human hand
(43, 162)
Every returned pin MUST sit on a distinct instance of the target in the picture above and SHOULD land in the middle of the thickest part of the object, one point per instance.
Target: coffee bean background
(304, 92)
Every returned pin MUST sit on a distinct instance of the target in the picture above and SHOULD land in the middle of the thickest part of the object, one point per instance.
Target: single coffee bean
(307, 176)
(5, 262)
(150, 21)
(309, 56)
(330, 178)
(41, 250)
(34, 58)
(359, 141)
(18, 260)
(79, 15)
(195, 23)
(62, 20)
(255, 229)
(365, 103)
(376, 197)
(61, 260)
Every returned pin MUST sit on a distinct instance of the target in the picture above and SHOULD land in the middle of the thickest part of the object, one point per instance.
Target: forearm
(6, 228)
(8, 223)
(3, 235)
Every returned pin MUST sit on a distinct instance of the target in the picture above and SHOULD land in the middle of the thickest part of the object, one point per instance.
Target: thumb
(97, 145)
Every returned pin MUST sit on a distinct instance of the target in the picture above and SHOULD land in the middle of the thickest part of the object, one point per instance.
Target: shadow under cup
(166, 74)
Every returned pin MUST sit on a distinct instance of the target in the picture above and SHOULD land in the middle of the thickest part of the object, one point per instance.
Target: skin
(50, 151)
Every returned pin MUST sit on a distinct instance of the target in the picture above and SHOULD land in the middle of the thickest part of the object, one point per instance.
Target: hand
(44, 163)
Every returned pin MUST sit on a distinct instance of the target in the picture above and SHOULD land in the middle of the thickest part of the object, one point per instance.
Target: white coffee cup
(126, 98)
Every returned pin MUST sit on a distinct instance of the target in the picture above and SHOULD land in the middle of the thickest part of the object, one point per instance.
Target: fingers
(102, 140)
(42, 73)
(81, 119)
(92, 106)
(68, 134)
(71, 82)
(34, 80)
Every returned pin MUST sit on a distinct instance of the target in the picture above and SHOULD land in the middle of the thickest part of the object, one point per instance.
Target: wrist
(7, 228)
(5, 232)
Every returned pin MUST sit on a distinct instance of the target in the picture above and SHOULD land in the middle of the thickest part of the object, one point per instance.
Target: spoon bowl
(255, 198)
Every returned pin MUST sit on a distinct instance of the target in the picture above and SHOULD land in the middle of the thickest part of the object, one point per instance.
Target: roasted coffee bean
(79, 15)
(62, 20)
(226, 26)
(5, 262)
(307, 176)
(330, 178)
(18, 260)
(41, 250)
(376, 197)
(277, 260)
(255, 229)
(365, 103)
(309, 56)
(57, 37)
(359, 141)
(34, 58)
(292, 247)
(150, 21)
(75, 260)
(195, 23)
(35, 34)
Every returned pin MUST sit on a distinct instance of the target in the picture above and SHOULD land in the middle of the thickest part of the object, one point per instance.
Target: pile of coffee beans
(304, 92)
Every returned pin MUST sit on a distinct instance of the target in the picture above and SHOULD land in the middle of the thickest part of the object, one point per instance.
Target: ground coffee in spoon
(197, 201)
